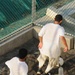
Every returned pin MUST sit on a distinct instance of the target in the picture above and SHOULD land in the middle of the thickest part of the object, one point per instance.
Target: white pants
(52, 62)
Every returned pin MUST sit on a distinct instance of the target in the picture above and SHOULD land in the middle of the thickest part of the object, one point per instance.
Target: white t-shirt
(17, 67)
(51, 33)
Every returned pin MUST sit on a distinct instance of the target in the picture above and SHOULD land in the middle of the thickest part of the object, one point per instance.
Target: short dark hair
(22, 53)
(58, 17)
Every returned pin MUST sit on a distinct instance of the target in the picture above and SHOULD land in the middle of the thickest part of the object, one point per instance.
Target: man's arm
(40, 42)
(65, 43)
(41, 33)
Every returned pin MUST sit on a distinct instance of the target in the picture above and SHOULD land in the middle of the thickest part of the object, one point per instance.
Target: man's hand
(65, 49)
(40, 42)
(40, 45)
(65, 43)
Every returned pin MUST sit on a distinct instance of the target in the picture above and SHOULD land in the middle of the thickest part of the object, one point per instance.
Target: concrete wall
(70, 42)
(16, 41)
(36, 30)
(28, 34)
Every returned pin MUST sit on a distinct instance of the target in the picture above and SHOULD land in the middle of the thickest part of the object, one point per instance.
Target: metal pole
(33, 10)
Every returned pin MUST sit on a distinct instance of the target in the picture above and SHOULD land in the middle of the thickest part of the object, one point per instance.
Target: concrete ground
(33, 53)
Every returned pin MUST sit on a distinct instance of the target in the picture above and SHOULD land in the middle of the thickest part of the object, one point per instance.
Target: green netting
(17, 13)
(13, 10)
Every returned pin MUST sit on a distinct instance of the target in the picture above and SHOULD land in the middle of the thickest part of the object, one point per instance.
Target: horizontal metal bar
(16, 32)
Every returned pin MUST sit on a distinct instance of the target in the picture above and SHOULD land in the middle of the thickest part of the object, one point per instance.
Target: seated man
(17, 65)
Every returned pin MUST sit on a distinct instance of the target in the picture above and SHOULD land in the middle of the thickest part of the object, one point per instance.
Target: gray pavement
(31, 45)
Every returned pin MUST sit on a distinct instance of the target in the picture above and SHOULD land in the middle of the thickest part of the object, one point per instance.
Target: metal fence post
(33, 10)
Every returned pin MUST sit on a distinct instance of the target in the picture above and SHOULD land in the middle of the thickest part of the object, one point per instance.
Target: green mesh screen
(17, 13)
(13, 10)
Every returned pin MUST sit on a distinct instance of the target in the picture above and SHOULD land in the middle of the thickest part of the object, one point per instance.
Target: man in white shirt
(49, 46)
(17, 65)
